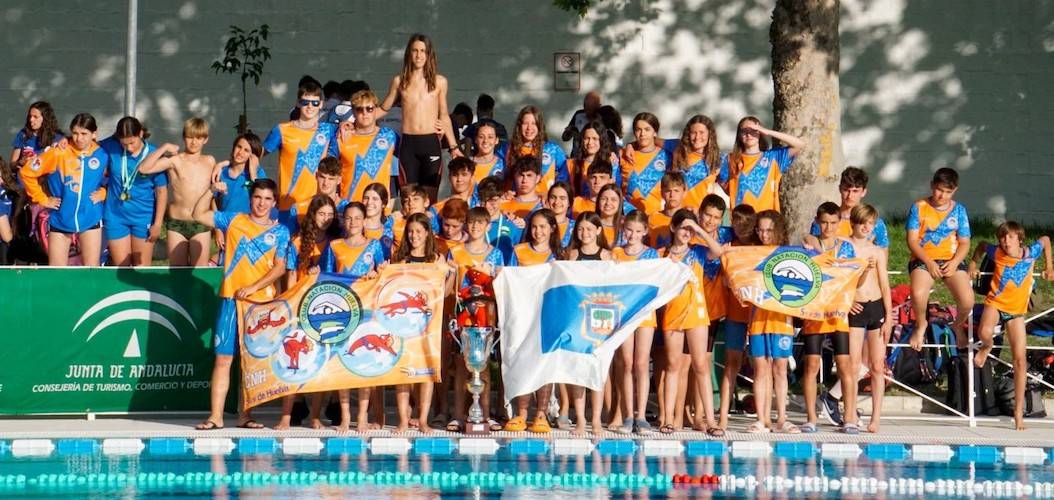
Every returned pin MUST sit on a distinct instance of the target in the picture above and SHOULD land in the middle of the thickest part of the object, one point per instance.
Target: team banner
(329, 332)
(80, 340)
(793, 280)
(562, 322)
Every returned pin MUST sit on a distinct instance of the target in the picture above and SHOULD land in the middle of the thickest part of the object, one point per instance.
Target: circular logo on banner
(371, 351)
(265, 325)
(329, 312)
(792, 278)
(299, 359)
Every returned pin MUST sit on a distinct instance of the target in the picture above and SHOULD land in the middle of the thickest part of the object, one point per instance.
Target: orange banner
(794, 280)
(329, 332)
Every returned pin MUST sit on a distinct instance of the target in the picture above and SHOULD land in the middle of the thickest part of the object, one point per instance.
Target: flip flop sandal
(540, 426)
(789, 428)
(563, 423)
(208, 425)
(516, 424)
(851, 429)
(666, 429)
(758, 428)
(493, 425)
(454, 426)
(808, 428)
(251, 424)
(716, 432)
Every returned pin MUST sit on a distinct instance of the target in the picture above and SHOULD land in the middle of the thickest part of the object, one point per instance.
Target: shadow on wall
(915, 95)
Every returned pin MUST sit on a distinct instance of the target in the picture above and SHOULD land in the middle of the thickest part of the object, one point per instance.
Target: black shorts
(871, 318)
(814, 343)
(86, 229)
(420, 160)
(914, 264)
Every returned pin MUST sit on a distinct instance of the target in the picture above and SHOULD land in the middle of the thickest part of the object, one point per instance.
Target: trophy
(476, 344)
(474, 331)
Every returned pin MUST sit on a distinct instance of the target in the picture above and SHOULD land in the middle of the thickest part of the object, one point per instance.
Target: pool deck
(898, 429)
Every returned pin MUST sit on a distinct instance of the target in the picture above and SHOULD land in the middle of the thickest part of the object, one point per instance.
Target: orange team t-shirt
(642, 180)
(938, 230)
(299, 151)
(295, 261)
(524, 255)
(521, 208)
(1012, 280)
(611, 234)
(493, 168)
(758, 181)
(688, 309)
(582, 204)
(698, 177)
(763, 321)
(619, 255)
(659, 229)
(251, 249)
(554, 164)
(365, 159)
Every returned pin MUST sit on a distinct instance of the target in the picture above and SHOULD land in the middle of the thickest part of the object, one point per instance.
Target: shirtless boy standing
(190, 175)
(872, 312)
(422, 92)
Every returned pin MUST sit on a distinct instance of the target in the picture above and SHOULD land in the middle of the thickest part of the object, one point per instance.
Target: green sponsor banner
(106, 339)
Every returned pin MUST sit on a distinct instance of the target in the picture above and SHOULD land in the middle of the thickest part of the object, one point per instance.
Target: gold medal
(125, 196)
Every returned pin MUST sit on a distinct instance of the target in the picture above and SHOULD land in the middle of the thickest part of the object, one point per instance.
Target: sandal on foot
(454, 426)
(851, 429)
(516, 424)
(540, 426)
(716, 432)
(208, 425)
(666, 429)
(493, 425)
(758, 428)
(251, 424)
(563, 423)
(789, 428)
(808, 428)
(641, 426)
(625, 428)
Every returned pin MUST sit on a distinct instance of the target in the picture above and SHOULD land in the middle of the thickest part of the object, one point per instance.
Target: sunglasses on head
(311, 102)
(363, 109)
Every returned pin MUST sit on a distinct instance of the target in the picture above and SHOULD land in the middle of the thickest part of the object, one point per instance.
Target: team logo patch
(603, 312)
(270, 238)
(382, 143)
(660, 164)
(320, 138)
(785, 342)
(546, 159)
(94, 164)
(36, 165)
(953, 222)
(792, 278)
(329, 312)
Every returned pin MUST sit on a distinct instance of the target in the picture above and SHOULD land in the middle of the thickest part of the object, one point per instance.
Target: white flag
(562, 322)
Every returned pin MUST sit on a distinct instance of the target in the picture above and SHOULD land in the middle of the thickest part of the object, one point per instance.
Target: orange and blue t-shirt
(758, 182)
(579, 169)
(619, 254)
(582, 204)
(879, 235)
(299, 150)
(296, 262)
(525, 255)
(698, 177)
(714, 288)
(354, 261)
(384, 235)
(365, 159)
(567, 228)
(251, 252)
(1012, 280)
(554, 164)
(521, 208)
(72, 176)
(494, 168)
(659, 234)
(465, 259)
(938, 230)
(643, 179)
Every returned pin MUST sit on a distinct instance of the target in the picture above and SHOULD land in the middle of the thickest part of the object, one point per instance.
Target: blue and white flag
(562, 322)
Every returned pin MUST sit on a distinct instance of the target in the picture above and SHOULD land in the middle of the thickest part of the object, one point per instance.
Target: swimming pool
(315, 468)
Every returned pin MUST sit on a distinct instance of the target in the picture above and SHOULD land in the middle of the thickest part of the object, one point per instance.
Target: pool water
(512, 471)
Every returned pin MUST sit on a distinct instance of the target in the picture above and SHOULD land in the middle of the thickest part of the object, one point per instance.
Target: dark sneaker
(829, 405)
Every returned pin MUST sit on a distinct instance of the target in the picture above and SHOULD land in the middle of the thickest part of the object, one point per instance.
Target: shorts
(225, 337)
(814, 343)
(871, 318)
(115, 228)
(54, 229)
(420, 160)
(771, 345)
(914, 264)
(1005, 317)
(735, 335)
(185, 227)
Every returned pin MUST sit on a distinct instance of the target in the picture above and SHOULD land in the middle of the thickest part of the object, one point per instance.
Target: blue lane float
(978, 454)
(886, 451)
(168, 446)
(617, 447)
(795, 449)
(257, 446)
(77, 446)
(345, 446)
(528, 447)
(434, 446)
(705, 448)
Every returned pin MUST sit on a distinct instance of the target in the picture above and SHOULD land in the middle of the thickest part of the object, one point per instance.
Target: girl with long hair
(611, 209)
(559, 201)
(135, 202)
(596, 143)
(647, 162)
(529, 139)
(752, 151)
(377, 225)
(698, 157)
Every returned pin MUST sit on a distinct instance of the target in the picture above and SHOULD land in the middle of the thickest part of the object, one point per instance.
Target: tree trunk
(804, 38)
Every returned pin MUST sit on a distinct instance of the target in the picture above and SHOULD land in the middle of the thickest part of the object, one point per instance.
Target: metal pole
(970, 392)
(130, 58)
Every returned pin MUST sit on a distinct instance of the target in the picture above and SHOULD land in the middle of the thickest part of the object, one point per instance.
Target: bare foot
(1019, 424)
(414, 423)
(375, 426)
(344, 426)
(982, 354)
(315, 424)
(424, 428)
(363, 426)
(283, 424)
(598, 427)
(580, 429)
(401, 428)
(872, 427)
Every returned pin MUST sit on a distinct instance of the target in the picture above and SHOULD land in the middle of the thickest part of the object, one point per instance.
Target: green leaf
(579, 6)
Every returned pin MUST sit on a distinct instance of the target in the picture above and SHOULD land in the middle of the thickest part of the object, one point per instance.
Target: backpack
(942, 335)
(911, 367)
(1004, 394)
(984, 386)
(983, 283)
